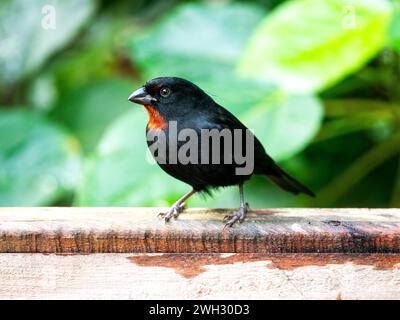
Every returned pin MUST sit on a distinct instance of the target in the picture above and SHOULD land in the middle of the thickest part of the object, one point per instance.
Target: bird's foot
(175, 210)
(236, 216)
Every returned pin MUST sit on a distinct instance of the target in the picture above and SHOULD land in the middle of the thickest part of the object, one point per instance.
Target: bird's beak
(141, 96)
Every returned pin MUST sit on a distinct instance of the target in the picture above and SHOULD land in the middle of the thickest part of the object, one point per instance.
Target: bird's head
(169, 95)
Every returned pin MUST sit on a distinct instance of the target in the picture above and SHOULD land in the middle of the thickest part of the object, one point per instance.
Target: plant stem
(359, 169)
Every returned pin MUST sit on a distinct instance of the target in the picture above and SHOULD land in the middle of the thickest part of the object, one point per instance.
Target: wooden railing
(275, 253)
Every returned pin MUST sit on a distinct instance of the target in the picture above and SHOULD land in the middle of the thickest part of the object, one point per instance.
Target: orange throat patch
(156, 121)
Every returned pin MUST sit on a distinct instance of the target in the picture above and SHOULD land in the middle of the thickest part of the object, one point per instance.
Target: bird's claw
(161, 215)
(173, 212)
(236, 216)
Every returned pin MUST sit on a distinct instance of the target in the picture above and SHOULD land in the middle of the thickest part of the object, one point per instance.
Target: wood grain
(224, 276)
(137, 230)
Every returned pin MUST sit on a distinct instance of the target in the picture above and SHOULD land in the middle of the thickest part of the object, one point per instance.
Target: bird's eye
(165, 92)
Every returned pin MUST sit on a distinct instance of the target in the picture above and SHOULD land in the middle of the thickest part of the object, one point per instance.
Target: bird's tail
(286, 182)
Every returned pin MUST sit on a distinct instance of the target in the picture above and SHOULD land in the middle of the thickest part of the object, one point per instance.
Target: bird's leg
(177, 207)
(240, 214)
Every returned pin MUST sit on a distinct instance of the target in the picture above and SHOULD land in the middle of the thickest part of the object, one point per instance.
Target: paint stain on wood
(191, 265)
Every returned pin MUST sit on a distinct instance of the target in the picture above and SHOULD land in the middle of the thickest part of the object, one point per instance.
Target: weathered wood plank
(201, 276)
(122, 230)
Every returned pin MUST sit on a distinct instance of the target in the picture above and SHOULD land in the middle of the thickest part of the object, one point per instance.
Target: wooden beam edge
(137, 230)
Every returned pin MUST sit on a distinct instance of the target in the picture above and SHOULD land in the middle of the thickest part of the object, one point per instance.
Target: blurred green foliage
(318, 81)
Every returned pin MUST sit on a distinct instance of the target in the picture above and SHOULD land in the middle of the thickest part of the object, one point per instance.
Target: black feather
(288, 183)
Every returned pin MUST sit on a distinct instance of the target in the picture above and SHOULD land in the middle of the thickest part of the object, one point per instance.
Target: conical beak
(141, 96)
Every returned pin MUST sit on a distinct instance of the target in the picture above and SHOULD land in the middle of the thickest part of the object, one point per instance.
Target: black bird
(173, 102)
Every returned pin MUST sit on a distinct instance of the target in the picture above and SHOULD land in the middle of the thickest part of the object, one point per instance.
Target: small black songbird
(175, 102)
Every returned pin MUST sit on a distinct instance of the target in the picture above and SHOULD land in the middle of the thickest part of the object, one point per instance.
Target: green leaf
(202, 43)
(121, 172)
(97, 55)
(394, 29)
(216, 32)
(284, 123)
(88, 110)
(39, 161)
(309, 45)
(26, 39)
(43, 92)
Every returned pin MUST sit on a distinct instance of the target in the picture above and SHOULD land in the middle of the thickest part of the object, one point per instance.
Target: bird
(174, 103)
